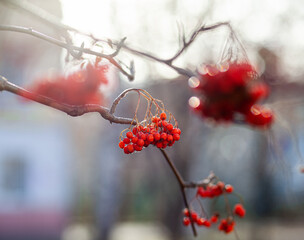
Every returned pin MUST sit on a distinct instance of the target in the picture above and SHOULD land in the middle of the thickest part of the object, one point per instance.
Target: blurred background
(64, 178)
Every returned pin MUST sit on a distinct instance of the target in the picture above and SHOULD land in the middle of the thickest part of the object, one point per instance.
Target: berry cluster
(230, 92)
(212, 190)
(196, 218)
(78, 88)
(227, 225)
(159, 132)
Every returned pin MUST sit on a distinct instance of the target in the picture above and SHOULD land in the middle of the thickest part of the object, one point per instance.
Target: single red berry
(239, 210)
(134, 139)
(130, 148)
(207, 223)
(214, 218)
(228, 188)
(155, 119)
(174, 131)
(126, 140)
(176, 137)
(186, 212)
(150, 138)
(201, 191)
(140, 142)
(129, 135)
(221, 185)
(164, 123)
(146, 129)
(156, 136)
(169, 127)
(194, 216)
(169, 138)
(126, 151)
(135, 130)
(186, 221)
(163, 116)
(121, 145)
(143, 136)
(200, 221)
(137, 147)
(163, 136)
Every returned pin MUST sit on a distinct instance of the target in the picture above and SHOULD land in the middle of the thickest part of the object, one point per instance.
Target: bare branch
(182, 186)
(186, 45)
(68, 46)
(194, 35)
(55, 22)
(119, 97)
(71, 110)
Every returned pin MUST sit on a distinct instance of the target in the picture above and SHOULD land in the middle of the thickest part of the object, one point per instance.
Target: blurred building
(35, 150)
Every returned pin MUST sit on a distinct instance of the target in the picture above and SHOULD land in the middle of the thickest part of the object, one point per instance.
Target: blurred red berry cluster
(231, 91)
(78, 88)
(213, 190)
(159, 132)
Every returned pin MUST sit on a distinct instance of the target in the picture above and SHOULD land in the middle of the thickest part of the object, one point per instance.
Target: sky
(154, 26)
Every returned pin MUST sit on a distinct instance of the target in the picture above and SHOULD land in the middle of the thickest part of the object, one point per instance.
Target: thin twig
(182, 186)
(119, 97)
(193, 36)
(68, 46)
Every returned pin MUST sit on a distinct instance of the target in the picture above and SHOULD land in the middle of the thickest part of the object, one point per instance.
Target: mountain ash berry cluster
(230, 94)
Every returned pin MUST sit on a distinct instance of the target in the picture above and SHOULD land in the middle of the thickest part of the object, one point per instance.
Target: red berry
(163, 136)
(228, 188)
(126, 140)
(164, 123)
(135, 130)
(155, 119)
(134, 139)
(194, 216)
(169, 138)
(156, 136)
(163, 116)
(140, 142)
(239, 210)
(186, 212)
(121, 145)
(129, 135)
(126, 151)
(143, 136)
(150, 138)
(207, 223)
(137, 148)
(130, 148)
(176, 137)
(170, 127)
(186, 221)
(200, 221)
(174, 131)
(221, 185)
(214, 218)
